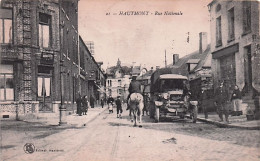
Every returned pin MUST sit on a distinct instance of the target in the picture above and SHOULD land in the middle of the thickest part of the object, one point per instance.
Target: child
(118, 107)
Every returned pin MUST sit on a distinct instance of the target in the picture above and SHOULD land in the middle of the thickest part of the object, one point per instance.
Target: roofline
(80, 38)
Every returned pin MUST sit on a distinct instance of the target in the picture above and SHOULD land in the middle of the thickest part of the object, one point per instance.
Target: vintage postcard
(129, 80)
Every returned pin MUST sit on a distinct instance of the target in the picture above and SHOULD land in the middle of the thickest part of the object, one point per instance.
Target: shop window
(6, 26)
(218, 32)
(246, 16)
(44, 30)
(231, 24)
(6, 83)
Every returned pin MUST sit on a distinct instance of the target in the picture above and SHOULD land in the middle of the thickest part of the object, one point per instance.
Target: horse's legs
(141, 106)
(135, 117)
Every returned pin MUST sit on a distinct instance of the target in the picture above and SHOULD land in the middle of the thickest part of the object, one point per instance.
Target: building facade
(118, 81)
(30, 57)
(235, 46)
(92, 77)
(41, 66)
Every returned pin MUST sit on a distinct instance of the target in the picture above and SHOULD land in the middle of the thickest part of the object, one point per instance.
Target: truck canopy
(172, 76)
(165, 73)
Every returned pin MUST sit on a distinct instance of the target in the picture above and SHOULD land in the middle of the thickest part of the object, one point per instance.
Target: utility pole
(165, 61)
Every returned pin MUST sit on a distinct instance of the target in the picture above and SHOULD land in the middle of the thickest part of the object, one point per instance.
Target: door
(44, 93)
(228, 71)
(248, 69)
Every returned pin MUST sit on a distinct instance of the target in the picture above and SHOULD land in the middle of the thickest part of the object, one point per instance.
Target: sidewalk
(72, 119)
(235, 121)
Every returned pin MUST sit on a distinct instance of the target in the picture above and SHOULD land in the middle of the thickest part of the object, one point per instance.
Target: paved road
(110, 138)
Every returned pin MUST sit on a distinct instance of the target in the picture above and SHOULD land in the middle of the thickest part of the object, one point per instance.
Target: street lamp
(62, 109)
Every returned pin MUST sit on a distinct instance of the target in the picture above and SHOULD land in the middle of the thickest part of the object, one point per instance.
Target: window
(44, 86)
(44, 30)
(218, 32)
(6, 26)
(231, 25)
(6, 83)
(246, 16)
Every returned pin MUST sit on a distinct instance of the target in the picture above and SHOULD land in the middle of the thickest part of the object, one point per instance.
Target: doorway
(248, 69)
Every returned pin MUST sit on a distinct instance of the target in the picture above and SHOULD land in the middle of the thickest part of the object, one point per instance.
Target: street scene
(129, 80)
(110, 138)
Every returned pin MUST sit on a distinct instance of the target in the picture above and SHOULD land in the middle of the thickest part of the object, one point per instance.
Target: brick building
(40, 62)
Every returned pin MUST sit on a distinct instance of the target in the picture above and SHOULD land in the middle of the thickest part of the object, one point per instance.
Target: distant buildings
(118, 80)
(235, 46)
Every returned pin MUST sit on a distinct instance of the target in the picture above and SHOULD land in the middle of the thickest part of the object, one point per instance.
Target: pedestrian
(85, 104)
(146, 103)
(79, 104)
(119, 107)
(202, 99)
(110, 102)
(221, 98)
(92, 100)
(102, 102)
(236, 102)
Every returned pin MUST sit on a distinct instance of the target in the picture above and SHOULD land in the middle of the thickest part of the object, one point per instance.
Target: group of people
(83, 104)
(221, 102)
(118, 102)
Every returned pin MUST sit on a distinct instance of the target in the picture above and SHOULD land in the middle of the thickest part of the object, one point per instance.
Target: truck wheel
(157, 114)
(194, 114)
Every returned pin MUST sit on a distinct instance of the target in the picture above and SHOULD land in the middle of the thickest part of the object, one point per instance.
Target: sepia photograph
(130, 80)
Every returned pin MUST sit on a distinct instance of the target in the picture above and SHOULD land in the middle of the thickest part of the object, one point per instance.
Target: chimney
(175, 58)
(203, 42)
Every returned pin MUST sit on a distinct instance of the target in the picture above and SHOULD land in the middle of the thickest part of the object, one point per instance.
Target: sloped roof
(205, 57)
(195, 57)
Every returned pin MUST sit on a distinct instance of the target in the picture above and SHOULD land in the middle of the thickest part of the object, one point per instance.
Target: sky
(142, 38)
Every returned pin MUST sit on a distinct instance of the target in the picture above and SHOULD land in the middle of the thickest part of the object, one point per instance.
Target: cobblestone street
(110, 138)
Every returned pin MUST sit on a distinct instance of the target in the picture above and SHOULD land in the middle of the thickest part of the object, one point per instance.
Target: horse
(136, 104)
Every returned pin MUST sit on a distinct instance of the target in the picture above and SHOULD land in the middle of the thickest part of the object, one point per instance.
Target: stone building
(38, 47)
(235, 46)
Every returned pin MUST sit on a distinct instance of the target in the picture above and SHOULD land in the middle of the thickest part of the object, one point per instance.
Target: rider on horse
(134, 87)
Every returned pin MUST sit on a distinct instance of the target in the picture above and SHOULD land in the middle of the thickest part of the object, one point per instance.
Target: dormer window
(218, 8)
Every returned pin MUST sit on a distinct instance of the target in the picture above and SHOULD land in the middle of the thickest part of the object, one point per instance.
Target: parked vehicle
(170, 97)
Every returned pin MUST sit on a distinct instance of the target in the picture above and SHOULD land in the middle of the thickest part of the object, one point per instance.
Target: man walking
(102, 102)
(221, 99)
(92, 100)
(119, 107)
(85, 104)
(79, 104)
